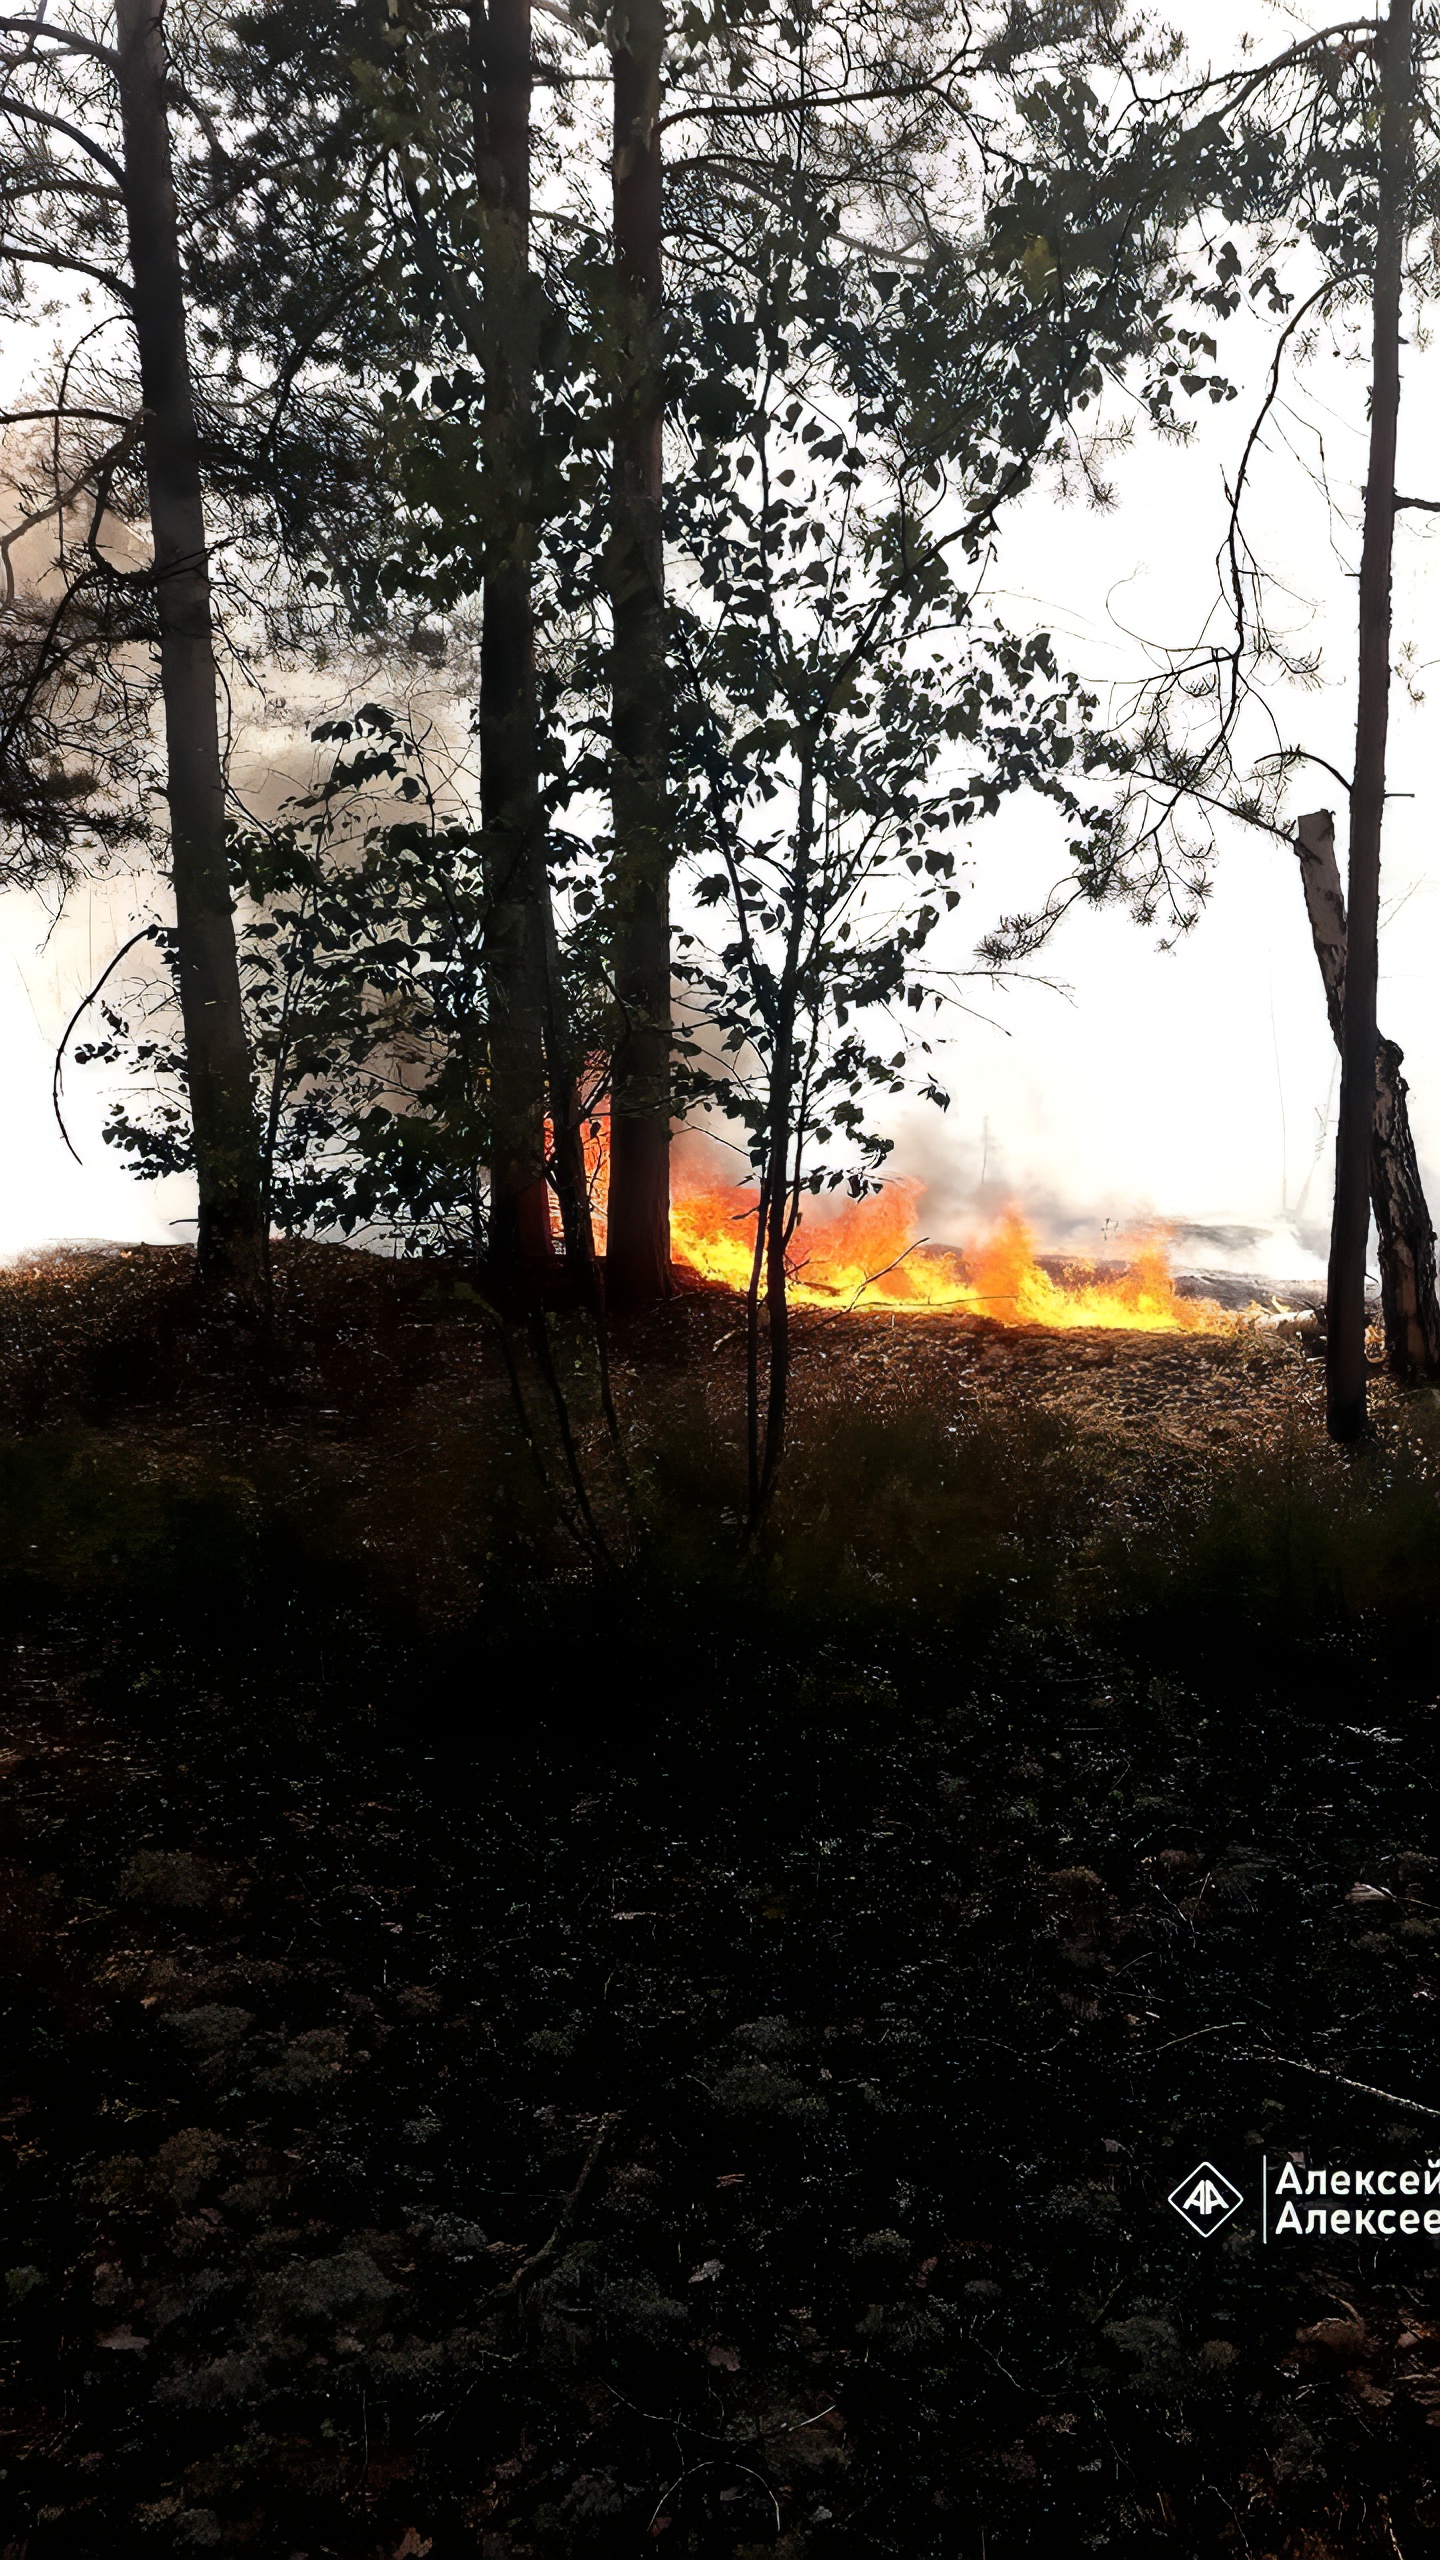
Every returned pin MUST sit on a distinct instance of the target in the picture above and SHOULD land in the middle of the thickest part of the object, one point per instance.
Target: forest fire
(868, 1257)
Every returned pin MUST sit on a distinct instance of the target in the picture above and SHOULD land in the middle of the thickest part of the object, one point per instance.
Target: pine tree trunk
(638, 1254)
(1407, 1239)
(232, 1243)
(1345, 1319)
(520, 1244)
(1397, 1196)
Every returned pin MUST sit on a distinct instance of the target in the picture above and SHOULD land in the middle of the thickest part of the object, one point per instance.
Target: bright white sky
(1196, 1086)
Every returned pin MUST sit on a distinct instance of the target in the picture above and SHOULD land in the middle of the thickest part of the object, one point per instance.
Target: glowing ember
(868, 1256)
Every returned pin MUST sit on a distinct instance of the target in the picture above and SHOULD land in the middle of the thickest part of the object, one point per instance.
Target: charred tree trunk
(638, 1252)
(1402, 1219)
(517, 893)
(232, 1242)
(1345, 1320)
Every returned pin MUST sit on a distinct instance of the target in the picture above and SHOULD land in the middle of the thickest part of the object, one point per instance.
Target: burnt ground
(504, 2058)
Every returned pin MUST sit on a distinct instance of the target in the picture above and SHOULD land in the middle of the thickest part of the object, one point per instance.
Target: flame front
(868, 1257)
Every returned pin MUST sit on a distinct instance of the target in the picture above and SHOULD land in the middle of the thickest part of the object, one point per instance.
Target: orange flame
(866, 1256)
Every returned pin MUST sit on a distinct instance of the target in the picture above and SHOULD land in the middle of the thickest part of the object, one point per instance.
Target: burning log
(1402, 1219)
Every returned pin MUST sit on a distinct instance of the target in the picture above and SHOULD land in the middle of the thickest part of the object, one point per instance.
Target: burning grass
(868, 1255)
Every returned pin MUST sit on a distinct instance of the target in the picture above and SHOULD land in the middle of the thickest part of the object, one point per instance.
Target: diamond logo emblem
(1206, 2200)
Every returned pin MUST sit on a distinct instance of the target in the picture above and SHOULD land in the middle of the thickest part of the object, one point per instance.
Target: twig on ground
(544, 2256)
(689, 2472)
(1196, 2032)
(1364, 2088)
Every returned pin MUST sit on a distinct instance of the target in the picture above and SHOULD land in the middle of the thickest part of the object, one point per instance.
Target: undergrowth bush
(887, 1522)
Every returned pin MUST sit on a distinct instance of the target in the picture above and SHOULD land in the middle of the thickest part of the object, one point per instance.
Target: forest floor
(507, 2055)
(375, 1406)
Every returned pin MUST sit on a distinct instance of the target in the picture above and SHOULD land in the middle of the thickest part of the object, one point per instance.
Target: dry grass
(942, 1461)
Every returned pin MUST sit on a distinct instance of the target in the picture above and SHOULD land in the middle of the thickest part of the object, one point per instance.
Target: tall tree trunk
(1345, 1320)
(232, 1241)
(1397, 1195)
(520, 1243)
(638, 1254)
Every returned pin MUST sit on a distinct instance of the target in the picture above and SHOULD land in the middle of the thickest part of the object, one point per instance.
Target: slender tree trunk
(565, 1091)
(777, 1210)
(520, 1243)
(777, 1282)
(1397, 1195)
(1345, 1319)
(232, 1241)
(638, 1253)
(752, 1350)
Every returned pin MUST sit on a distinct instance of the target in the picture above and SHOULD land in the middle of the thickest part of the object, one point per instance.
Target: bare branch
(72, 133)
(32, 417)
(57, 259)
(145, 934)
(64, 39)
(101, 466)
(921, 87)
